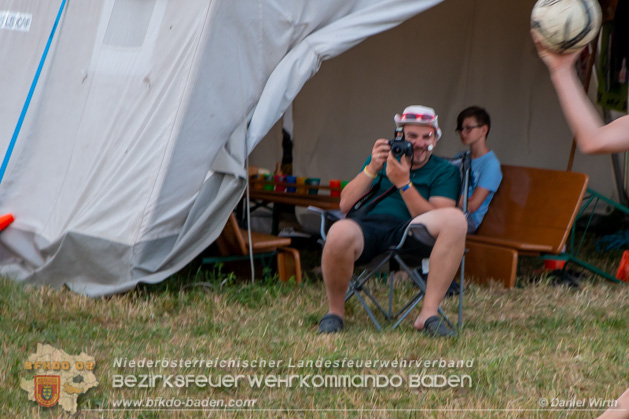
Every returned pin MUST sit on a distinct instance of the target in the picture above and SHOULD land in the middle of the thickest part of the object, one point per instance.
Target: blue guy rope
(27, 103)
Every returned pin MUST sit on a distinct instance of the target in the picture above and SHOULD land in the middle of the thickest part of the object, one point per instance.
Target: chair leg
(391, 280)
(288, 264)
(415, 300)
(357, 287)
(488, 261)
(422, 285)
(411, 305)
(461, 279)
(368, 310)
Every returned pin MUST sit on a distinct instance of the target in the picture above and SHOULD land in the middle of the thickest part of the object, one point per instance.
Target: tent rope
(27, 103)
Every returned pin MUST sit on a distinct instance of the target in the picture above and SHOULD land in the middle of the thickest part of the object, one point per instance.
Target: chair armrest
(513, 244)
(326, 215)
(410, 231)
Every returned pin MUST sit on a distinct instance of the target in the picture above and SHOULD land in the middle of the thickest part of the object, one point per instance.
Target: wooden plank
(533, 209)
(297, 199)
(532, 213)
(485, 262)
(233, 244)
(288, 264)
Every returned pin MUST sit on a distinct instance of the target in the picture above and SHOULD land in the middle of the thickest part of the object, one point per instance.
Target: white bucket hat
(418, 115)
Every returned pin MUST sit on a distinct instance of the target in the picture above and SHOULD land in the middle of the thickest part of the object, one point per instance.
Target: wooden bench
(531, 214)
(233, 244)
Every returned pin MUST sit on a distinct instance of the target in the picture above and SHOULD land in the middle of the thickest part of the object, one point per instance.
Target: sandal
(330, 323)
(436, 327)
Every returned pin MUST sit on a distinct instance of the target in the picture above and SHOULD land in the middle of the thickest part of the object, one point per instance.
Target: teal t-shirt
(436, 178)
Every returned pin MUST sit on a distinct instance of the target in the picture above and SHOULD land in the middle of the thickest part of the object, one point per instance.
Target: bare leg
(621, 410)
(449, 227)
(343, 246)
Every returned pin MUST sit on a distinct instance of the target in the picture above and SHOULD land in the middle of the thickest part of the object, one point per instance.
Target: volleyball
(564, 26)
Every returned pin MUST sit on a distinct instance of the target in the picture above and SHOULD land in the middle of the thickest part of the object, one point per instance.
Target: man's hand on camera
(379, 154)
(398, 172)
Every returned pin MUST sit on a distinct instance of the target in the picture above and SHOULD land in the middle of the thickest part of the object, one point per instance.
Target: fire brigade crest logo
(47, 389)
(54, 377)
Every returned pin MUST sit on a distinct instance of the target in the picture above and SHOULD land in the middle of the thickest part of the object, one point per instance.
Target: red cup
(280, 179)
(335, 187)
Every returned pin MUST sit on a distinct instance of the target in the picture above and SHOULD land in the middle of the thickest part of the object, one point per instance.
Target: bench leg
(288, 264)
(484, 262)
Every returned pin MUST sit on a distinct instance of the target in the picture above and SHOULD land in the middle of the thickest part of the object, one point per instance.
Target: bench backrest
(534, 209)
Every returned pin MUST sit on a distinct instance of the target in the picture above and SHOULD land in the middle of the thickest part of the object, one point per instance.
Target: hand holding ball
(565, 26)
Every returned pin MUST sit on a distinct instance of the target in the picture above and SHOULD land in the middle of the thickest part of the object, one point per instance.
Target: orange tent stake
(5, 220)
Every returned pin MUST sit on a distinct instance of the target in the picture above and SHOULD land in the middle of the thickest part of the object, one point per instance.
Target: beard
(421, 156)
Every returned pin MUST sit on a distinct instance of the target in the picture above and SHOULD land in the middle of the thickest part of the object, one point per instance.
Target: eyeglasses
(417, 117)
(467, 129)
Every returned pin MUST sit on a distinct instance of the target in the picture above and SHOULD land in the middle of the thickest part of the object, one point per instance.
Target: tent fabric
(132, 154)
(456, 54)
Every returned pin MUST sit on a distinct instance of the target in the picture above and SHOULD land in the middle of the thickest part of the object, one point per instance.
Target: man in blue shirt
(473, 126)
(427, 192)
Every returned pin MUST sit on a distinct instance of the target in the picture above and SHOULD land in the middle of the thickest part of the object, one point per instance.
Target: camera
(399, 146)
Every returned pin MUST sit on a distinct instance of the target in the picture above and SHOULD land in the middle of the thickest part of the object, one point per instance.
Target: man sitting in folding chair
(400, 183)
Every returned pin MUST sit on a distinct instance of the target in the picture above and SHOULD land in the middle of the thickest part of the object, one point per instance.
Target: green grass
(535, 341)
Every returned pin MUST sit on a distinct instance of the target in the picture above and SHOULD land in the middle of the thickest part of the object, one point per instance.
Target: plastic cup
(335, 187)
(301, 181)
(291, 180)
(268, 178)
(280, 179)
(344, 184)
(313, 181)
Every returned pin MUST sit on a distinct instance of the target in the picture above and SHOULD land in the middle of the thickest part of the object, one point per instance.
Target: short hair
(480, 114)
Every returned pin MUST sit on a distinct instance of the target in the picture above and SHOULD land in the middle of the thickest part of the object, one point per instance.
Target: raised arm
(361, 183)
(592, 135)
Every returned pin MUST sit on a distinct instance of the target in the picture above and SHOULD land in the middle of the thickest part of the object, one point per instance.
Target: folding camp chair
(399, 256)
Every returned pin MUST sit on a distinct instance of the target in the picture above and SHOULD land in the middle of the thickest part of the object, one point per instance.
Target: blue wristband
(405, 187)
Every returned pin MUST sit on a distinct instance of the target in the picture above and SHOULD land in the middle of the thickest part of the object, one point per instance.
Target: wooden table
(281, 199)
(296, 199)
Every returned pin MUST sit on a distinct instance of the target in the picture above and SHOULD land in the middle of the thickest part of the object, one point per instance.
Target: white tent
(132, 151)
(456, 54)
